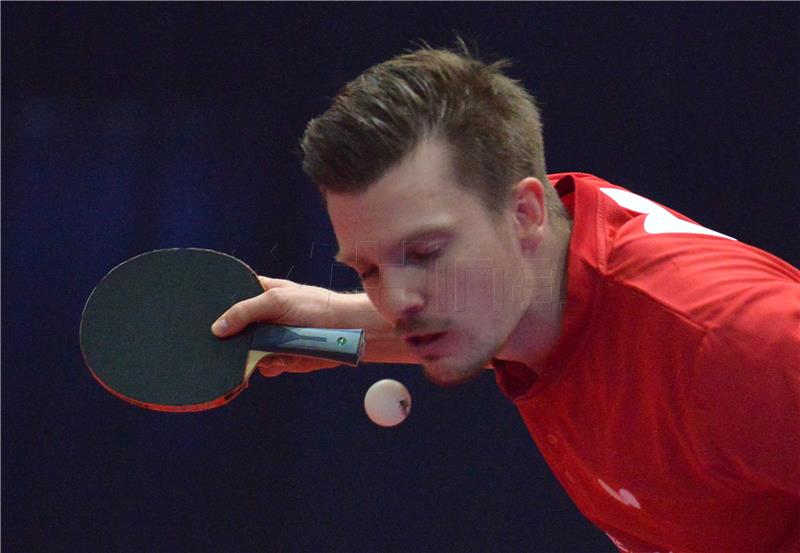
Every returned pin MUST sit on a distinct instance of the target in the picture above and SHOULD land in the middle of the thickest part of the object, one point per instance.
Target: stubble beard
(471, 368)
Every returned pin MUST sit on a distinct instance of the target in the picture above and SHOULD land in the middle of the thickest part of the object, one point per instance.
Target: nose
(400, 299)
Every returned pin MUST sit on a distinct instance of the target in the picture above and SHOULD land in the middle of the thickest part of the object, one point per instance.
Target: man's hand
(285, 303)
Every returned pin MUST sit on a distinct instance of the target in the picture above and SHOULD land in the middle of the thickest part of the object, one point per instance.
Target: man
(656, 363)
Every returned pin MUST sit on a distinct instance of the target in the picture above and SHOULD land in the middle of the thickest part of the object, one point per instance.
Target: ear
(530, 215)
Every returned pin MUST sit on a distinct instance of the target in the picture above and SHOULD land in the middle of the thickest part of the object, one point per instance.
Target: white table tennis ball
(387, 402)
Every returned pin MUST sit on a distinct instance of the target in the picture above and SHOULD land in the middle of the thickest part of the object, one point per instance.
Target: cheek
(478, 286)
(466, 286)
(440, 287)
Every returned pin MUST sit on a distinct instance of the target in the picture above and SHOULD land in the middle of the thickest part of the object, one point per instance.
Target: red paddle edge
(214, 403)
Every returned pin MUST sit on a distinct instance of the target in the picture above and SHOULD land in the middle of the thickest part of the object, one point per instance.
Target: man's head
(376, 120)
(432, 168)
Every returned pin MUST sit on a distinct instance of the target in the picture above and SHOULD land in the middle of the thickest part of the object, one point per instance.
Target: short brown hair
(491, 122)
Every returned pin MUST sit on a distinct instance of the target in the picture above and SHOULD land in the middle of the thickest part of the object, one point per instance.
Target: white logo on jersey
(658, 220)
(623, 496)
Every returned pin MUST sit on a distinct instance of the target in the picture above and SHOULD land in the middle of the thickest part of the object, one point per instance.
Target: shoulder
(708, 277)
(739, 380)
(742, 389)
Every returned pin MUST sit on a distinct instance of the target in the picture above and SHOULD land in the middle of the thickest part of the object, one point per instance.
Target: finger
(268, 306)
(272, 365)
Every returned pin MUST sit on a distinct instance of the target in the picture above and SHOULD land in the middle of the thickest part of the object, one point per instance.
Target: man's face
(434, 262)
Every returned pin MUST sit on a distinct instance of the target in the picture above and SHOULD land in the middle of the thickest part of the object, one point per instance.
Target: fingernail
(219, 327)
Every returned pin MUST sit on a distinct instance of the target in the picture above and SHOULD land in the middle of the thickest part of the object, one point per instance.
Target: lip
(425, 344)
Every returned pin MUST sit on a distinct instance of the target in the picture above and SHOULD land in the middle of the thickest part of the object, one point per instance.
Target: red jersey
(669, 409)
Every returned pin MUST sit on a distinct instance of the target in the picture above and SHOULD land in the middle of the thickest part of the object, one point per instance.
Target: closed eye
(420, 254)
(425, 255)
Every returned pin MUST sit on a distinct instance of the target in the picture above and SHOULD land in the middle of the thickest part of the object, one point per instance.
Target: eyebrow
(414, 236)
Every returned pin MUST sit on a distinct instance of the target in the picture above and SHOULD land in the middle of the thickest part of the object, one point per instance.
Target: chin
(450, 373)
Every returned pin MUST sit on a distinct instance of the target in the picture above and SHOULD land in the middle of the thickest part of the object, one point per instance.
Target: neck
(539, 327)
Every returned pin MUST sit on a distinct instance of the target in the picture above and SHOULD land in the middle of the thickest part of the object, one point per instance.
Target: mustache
(420, 326)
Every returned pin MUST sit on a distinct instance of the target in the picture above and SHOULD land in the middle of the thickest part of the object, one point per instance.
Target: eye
(425, 253)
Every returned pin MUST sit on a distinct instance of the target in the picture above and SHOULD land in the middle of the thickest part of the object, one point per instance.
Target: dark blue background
(128, 127)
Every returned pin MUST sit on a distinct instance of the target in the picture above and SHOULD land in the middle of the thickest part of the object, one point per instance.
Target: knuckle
(278, 300)
(277, 293)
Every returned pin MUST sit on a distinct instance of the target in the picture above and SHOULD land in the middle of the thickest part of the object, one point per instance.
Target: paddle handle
(335, 344)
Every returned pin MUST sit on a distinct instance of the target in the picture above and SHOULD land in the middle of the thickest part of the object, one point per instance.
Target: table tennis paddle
(146, 331)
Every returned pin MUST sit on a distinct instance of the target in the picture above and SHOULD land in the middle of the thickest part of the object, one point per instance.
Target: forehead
(419, 192)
